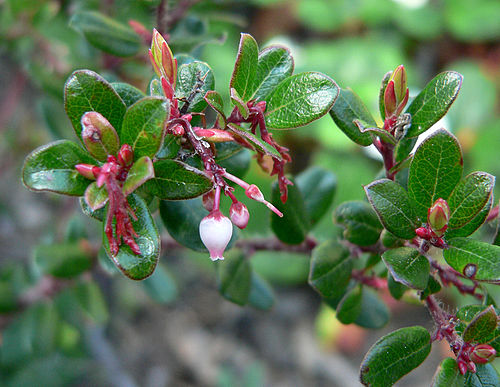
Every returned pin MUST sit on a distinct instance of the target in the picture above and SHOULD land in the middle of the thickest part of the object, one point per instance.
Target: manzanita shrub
(138, 151)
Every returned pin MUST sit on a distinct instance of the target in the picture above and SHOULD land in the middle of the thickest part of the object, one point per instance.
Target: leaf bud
(215, 233)
(239, 215)
(162, 59)
(99, 136)
(396, 92)
(126, 155)
(438, 217)
(214, 135)
(483, 353)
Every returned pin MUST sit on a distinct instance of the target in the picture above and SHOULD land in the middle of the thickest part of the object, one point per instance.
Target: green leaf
(435, 170)
(374, 312)
(467, 255)
(331, 268)
(260, 145)
(234, 158)
(216, 102)
(239, 103)
(96, 197)
(275, 63)
(95, 214)
(91, 302)
(186, 232)
(143, 126)
(140, 172)
(393, 207)
(261, 293)
(485, 376)
(175, 180)
(51, 168)
(375, 131)
(408, 267)
(155, 89)
(105, 33)
(349, 307)
(403, 148)
(473, 224)
(195, 77)
(62, 260)
(318, 187)
(128, 93)
(346, 109)
(234, 276)
(361, 223)
(381, 94)
(169, 148)
(299, 100)
(433, 102)
(161, 286)
(245, 68)
(86, 91)
(482, 326)
(397, 289)
(138, 267)
(469, 197)
(394, 355)
(293, 227)
(448, 375)
(281, 268)
(433, 286)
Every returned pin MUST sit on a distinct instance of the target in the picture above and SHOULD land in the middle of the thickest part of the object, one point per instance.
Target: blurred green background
(176, 329)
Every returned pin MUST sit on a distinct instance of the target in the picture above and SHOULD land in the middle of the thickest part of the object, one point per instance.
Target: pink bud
(438, 216)
(462, 366)
(214, 135)
(483, 353)
(239, 214)
(86, 170)
(215, 232)
(253, 192)
(208, 200)
(126, 155)
(423, 233)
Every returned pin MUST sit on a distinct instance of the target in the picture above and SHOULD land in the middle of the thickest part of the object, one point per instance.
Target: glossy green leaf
(397, 289)
(473, 224)
(233, 158)
(361, 223)
(186, 232)
(403, 148)
(393, 207)
(293, 227)
(138, 267)
(62, 260)
(468, 256)
(347, 108)
(485, 376)
(128, 93)
(234, 277)
(469, 197)
(275, 63)
(299, 100)
(96, 197)
(394, 355)
(390, 240)
(349, 307)
(169, 148)
(408, 267)
(216, 102)
(435, 170)
(106, 34)
(51, 168)
(364, 127)
(239, 103)
(331, 268)
(95, 214)
(175, 180)
(260, 145)
(143, 126)
(86, 91)
(448, 375)
(155, 89)
(318, 187)
(261, 293)
(374, 312)
(433, 286)
(99, 136)
(433, 102)
(245, 68)
(140, 172)
(482, 326)
(195, 76)
(161, 286)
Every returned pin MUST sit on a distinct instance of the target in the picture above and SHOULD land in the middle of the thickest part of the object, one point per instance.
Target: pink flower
(239, 214)
(215, 232)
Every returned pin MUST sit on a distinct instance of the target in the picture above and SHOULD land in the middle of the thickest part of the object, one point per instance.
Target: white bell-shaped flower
(215, 232)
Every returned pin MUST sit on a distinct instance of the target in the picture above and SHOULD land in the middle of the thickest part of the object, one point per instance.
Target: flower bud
(253, 192)
(483, 353)
(215, 233)
(162, 59)
(208, 200)
(423, 233)
(126, 155)
(396, 92)
(99, 136)
(438, 217)
(214, 135)
(239, 214)
(87, 170)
